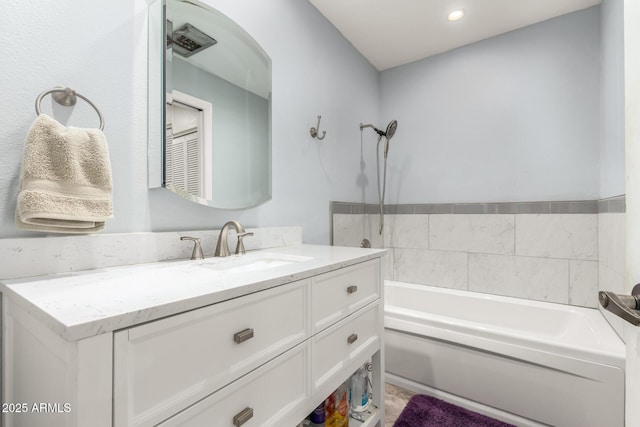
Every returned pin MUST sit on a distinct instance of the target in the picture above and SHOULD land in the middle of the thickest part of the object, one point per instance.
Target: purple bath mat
(427, 411)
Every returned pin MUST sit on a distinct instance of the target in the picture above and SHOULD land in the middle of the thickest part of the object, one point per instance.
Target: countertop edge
(111, 323)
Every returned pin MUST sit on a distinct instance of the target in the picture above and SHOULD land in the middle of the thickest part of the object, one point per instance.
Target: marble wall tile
(387, 265)
(610, 279)
(372, 231)
(611, 242)
(477, 233)
(583, 283)
(612, 256)
(527, 242)
(347, 229)
(434, 268)
(524, 277)
(569, 236)
(406, 231)
(49, 255)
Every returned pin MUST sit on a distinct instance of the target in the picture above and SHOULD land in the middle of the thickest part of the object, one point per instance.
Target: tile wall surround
(611, 271)
(548, 251)
(37, 256)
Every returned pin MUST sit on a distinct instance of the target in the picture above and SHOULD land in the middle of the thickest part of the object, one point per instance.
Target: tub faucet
(222, 247)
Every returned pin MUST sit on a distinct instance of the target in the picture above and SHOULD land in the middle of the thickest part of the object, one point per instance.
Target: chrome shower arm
(378, 131)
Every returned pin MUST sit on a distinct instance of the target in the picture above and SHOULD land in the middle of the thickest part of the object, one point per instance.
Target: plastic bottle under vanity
(359, 395)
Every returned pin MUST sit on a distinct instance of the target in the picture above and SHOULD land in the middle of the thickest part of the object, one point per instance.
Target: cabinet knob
(352, 289)
(243, 335)
(243, 416)
(352, 338)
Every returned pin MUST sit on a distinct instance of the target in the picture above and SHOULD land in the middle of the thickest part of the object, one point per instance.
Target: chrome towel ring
(67, 97)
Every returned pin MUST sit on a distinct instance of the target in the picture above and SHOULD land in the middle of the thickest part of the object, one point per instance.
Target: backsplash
(37, 256)
(546, 251)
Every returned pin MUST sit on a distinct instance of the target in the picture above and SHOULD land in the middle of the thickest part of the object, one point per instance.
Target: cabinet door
(272, 395)
(164, 366)
(342, 292)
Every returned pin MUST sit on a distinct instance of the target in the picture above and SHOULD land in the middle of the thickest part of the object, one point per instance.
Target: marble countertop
(87, 303)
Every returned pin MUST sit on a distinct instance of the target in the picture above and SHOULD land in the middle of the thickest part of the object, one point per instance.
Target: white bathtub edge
(464, 333)
(613, 354)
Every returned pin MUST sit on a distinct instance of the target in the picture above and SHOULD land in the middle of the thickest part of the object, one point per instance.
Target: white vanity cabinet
(162, 367)
(342, 292)
(262, 358)
(273, 395)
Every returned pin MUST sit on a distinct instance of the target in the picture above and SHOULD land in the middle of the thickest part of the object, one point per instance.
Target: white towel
(65, 181)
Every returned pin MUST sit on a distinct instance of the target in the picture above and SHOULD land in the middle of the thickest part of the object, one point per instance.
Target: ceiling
(395, 32)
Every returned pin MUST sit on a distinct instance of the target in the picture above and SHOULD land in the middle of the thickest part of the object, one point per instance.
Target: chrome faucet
(222, 247)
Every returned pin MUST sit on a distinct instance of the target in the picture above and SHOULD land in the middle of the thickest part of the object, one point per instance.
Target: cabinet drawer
(342, 292)
(163, 366)
(343, 347)
(273, 395)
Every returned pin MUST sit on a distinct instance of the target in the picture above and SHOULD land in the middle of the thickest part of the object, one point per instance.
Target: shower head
(388, 133)
(391, 129)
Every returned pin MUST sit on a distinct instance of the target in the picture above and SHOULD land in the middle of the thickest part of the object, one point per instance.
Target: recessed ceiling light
(456, 15)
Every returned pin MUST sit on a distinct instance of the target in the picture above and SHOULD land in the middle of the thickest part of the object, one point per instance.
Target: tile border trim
(610, 205)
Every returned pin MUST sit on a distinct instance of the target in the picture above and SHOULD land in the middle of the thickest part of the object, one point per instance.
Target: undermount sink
(250, 262)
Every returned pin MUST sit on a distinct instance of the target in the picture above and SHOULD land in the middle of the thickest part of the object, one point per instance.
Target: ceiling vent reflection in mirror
(188, 40)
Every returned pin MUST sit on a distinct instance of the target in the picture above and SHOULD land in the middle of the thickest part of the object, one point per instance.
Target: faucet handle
(240, 245)
(197, 249)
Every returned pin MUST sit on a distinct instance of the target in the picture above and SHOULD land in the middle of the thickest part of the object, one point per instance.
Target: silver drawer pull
(352, 338)
(352, 289)
(243, 416)
(242, 336)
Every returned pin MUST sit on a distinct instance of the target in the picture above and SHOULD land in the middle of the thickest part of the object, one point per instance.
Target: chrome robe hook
(314, 131)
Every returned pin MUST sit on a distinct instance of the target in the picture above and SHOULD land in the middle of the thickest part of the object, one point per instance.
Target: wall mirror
(209, 107)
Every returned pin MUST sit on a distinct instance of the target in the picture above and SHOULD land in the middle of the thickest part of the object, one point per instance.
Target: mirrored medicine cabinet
(209, 107)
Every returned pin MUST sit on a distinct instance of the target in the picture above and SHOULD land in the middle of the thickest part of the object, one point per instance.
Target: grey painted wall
(612, 99)
(511, 118)
(103, 55)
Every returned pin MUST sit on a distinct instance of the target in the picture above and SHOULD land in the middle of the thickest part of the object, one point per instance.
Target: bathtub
(525, 362)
